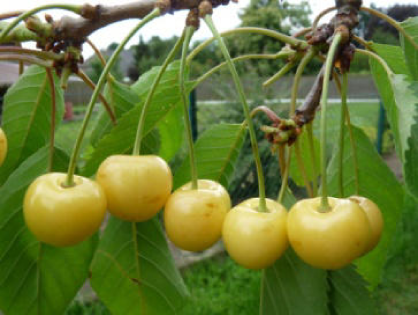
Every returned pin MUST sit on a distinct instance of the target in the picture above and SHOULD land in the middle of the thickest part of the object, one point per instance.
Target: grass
(220, 287)
(399, 294)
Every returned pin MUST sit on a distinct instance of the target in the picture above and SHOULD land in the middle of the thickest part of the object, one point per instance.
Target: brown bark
(306, 112)
(95, 17)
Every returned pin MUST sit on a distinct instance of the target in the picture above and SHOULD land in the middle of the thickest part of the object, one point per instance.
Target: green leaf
(400, 97)
(217, 150)
(349, 294)
(393, 56)
(121, 138)
(384, 87)
(122, 99)
(171, 130)
(27, 117)
(36, 278)
(377, 183)
(133, 271)
(406, 100)
(291, 286)
(411, 53)
(295, 173)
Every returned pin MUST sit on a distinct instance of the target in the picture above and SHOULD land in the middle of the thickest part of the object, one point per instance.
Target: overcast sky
(169, 25)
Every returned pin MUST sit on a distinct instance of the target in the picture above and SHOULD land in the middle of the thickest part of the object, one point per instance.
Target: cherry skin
(63, 216)
(255, 239)
(136, 187)
(193, 217)
(328, 240)
(375, 219)
(3, 146)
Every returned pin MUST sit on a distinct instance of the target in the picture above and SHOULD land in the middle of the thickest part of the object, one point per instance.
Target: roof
(9, 73)
(125, 61)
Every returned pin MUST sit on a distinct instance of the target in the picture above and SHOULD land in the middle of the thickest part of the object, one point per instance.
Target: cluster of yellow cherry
(136, 188)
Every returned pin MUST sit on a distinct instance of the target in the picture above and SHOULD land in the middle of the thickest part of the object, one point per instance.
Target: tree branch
(306, 112)
(96, 17)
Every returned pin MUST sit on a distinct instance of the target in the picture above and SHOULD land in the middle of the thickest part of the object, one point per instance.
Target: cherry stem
(341, 138)
(141, 124)
(294, 95)
(262, 193)
(184, 95)
(9, 15)
(351, 135)
(285, 176)
(298, 76)
(244, 30)
(302, 32)
(353, 150)
(51, 81)
(101, 58)
(329, 65)
(268, 112)
(284, 70)
(377, 58)
(361, 41)
(27, 59)
(73, 8)
(392, 22)
(71, 167)
(279, 55)
(22, 67)
(320, 16)
(302, 169)
(309, 131)
(97, 52)
(83, 76)
(280, 157)
(45, 55)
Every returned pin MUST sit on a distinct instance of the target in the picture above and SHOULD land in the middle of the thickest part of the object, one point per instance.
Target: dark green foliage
(87, 308)
(283, 17)
(96, 68)
(398, 291)
(376, 29)
(149, 54)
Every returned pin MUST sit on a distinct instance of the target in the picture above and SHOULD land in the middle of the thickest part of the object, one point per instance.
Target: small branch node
(91, 12)
(205, 8)
(165, 6)
(193, 18)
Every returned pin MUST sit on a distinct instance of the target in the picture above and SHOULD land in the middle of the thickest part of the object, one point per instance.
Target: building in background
(9, 73)
(76, 93)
